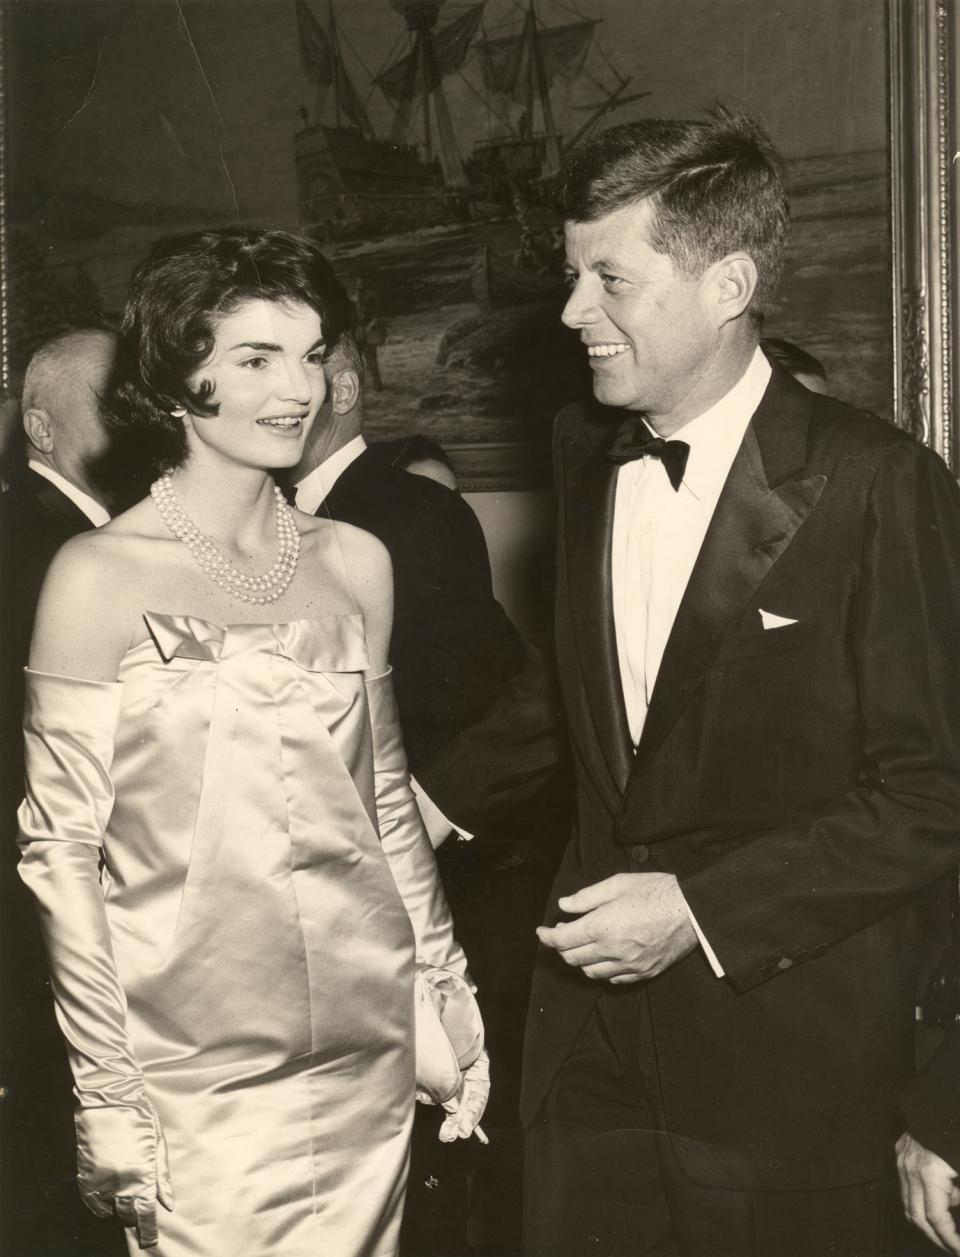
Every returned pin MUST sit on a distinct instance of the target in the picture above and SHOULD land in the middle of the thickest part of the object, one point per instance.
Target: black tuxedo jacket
(931, 1104)
(35, 520)
(453, 647)
(802, 783)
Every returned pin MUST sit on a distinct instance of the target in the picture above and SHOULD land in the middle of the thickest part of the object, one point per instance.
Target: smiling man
(759, 600)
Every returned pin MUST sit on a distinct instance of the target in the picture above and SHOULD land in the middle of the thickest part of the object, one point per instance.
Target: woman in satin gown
(233, 879)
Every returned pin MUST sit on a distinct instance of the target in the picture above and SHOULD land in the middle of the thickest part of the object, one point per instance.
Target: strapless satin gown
(260, 940)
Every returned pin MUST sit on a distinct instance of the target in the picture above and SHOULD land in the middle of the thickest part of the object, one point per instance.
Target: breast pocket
(772, 642)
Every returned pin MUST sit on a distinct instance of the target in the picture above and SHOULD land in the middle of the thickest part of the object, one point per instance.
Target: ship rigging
(349, 178)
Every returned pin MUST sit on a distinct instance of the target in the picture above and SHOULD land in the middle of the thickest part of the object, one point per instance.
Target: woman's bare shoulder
(359, 552)
(92, 598)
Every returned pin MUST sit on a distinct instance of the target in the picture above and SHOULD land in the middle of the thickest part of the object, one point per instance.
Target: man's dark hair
(715, 186)
(169, 323)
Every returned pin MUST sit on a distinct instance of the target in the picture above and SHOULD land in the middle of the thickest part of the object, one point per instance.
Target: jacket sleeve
(453, 646)
(505, 760)
(404, 838)
(931, 1104)
(791, 892)
(69, 731)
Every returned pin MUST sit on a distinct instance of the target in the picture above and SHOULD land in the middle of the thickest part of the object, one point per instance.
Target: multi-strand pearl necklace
(260, 589)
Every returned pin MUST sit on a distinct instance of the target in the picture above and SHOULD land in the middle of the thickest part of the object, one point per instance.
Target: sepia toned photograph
(479, 620)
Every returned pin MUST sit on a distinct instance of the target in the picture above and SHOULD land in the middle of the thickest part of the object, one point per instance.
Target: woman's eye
(255, 364)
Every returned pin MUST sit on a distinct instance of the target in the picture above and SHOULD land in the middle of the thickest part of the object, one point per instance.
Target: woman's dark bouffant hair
(169, 322)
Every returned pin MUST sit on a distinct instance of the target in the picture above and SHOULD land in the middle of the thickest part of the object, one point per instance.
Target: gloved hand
(122, 1166)
(465, 1110)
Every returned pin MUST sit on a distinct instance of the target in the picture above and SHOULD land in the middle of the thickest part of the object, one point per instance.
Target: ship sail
(521, 68)
(506, 63)
(450, 48)
(420, 75)
(323, 65)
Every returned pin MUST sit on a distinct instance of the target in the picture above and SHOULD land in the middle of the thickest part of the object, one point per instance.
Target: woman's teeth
(281, 421)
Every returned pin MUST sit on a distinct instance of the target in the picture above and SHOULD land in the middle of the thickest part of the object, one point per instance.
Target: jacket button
(640, 853)
(785, 963)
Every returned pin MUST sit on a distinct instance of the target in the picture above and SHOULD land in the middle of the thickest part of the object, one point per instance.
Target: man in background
(52, 496)
(469, 694)
(57, 493)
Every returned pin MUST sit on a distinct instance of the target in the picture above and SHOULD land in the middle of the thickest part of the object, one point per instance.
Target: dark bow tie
(634, 440)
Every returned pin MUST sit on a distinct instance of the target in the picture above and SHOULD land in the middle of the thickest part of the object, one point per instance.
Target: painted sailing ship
(352, 181)
(349, 179)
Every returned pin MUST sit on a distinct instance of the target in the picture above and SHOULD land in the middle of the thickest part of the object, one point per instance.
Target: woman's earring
(179, 412)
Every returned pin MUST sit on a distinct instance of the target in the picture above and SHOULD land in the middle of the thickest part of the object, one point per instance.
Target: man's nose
(581, 307)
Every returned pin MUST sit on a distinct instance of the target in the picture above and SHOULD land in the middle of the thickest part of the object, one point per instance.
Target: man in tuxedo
(55, 495)
(758, 611)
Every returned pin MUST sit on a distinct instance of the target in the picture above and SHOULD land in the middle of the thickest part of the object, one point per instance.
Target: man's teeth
(282, 421)
(605, 351)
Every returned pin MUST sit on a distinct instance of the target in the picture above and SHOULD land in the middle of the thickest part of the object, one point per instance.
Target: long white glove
(404, 838)
(69, 730)
(414, 868)
(465, 1111)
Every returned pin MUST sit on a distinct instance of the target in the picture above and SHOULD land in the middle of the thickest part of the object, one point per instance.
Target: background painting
(132, 118)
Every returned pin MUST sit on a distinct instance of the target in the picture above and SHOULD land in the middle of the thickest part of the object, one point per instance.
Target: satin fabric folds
(242, 964)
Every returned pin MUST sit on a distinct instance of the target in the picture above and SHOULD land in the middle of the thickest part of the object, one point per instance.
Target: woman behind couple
(236, 984)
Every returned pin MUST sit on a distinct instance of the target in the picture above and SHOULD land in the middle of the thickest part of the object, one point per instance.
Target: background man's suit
(43, 1213)
(36, 519)
(801, 782)
(453, 646)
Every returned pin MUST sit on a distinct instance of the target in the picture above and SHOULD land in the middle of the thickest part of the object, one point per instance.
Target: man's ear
(734, 281)
(344, 391)
(39, 429)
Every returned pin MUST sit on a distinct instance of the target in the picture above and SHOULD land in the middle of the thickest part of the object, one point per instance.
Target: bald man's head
(62, 389)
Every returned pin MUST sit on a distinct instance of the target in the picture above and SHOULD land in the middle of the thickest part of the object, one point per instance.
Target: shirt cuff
(708, 951)
(438, 827)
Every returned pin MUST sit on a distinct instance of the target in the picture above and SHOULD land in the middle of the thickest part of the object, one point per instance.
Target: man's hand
(634, 926)
(928, 1188)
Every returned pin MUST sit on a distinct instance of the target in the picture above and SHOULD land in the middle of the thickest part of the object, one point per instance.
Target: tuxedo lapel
(349, 488)
(589, 495)
(763, 503)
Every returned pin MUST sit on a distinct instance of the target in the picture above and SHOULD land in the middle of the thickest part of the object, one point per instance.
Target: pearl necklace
(260, 589)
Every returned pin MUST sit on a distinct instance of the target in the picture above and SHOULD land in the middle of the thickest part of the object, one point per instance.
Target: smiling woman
(241, 973)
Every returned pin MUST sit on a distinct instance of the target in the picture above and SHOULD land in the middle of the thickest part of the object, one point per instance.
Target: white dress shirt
(94, 512)
(657, 535)
(310, 493)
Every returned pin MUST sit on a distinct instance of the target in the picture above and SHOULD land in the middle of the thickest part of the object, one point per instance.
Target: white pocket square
(771, 621)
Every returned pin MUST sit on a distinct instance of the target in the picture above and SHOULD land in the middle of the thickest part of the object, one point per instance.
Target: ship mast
(337, 100)
(420, 74)
(537, 71)
(335, 50)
